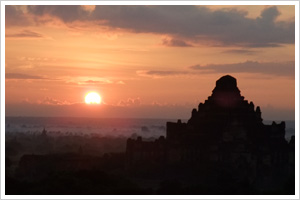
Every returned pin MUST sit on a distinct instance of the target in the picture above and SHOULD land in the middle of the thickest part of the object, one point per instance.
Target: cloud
(100, 81)
(92, 82)
(21, 76)
(67, 13)
(89, 8)
(269, 14)
(160, 73)
(52, 101)
(200, 24)
(261, 45)
(120, 82)
(25, 34)
(130, 102)
(268, 68)
(86, 81)
(251, 67)
(14, 16)
(184, 24)
(175, 42)
(240, 51)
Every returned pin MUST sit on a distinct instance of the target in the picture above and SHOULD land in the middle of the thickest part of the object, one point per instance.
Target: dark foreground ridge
(224, 148)
(224, 145)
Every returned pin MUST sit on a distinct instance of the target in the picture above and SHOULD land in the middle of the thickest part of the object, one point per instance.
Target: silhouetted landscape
(224, 148)
(126, 99)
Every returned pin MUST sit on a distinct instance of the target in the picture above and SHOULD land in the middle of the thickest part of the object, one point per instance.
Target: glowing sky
(146, 61)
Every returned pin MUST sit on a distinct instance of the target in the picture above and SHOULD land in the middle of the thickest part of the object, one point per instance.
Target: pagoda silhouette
(224, 141)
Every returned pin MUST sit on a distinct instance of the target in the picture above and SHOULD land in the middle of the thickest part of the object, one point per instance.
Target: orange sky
(146, 61)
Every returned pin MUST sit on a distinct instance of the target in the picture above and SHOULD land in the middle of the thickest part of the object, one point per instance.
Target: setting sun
(92, 98)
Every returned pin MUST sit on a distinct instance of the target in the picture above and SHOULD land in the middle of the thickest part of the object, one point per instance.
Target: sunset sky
(146, 61)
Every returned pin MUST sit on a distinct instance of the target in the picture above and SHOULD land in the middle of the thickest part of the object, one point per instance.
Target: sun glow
(92, 98)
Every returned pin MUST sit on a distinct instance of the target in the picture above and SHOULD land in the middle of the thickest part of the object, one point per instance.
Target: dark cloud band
(21, 76)
(187, 25)
(25, 34)
(253, 67)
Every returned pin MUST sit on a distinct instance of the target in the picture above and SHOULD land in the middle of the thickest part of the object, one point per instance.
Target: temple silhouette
(223, 149)
(225, 137)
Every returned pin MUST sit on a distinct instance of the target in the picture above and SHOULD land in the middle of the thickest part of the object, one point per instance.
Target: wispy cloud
(160, 73)
(175, 42)
(240, 51)
(268, 68)
(22, 76)
(53, 101)
(130, 102)
(251, 67)
(25, 34)
(92, 82)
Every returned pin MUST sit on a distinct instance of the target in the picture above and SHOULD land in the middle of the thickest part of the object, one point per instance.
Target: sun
(92, 98)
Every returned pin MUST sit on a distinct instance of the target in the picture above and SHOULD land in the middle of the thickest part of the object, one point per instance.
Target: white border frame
(295, 3)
